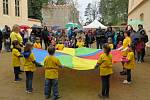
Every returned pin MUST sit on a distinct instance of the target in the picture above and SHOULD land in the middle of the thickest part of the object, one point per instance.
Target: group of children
(52, 65)
(61, 43)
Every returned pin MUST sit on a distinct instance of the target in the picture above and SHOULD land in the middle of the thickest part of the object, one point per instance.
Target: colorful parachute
(79, 59)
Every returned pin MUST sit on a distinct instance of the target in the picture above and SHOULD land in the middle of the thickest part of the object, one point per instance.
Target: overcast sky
(83, 4)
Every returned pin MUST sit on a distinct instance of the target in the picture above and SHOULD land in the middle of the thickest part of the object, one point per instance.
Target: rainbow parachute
(79, 59)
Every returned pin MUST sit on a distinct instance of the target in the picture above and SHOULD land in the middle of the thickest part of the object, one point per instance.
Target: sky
(82, 4)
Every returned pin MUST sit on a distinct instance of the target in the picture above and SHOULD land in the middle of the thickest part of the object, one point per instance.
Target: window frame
(17, 8)
(5, 7)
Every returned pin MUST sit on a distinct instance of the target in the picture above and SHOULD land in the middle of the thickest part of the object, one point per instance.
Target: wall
(11, 19)
(143, 8)
(58, 15)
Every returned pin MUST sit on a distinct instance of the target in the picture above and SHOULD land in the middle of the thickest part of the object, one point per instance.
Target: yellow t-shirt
(126, 42)
(105, 64)
(51, 64)
(131, 63)
(60, 46)
(37, 45)
(16, 36)
(111, 46)
(28, 63)
(15, 58)
(80, 44)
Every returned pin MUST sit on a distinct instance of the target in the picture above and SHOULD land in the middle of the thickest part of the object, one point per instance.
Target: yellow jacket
(28, 63)
(51, 65)
(131, 63)
(37, 45)
(15, 58)
(126, 42)
(16, 36)
(80, 44)
(105, 64)
(60, 46)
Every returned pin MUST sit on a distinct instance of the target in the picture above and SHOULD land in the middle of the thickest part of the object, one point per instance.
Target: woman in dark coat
(89, 39)
(1, 40)
(45, 35)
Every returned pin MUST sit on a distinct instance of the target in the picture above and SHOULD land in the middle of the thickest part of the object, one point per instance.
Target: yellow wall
(135, 14)
(11, 19)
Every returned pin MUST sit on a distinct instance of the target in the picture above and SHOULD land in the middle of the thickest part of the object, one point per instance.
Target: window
(5, 7)
(17, 8)
(142, 17)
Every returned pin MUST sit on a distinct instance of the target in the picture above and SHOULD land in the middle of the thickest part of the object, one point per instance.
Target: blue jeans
(25, 40)
(139, 56)
(51, 85)
(29, 78)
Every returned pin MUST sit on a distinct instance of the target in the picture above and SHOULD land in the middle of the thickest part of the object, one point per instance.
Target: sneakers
(123, 73)
(28, 91)
(17, 80)
(56, 97)
(103, 97)
(47, 97)
(126, 82)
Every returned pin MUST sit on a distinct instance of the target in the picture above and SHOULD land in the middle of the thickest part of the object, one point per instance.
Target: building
(139, 9)
(15, 12)
(59, 15)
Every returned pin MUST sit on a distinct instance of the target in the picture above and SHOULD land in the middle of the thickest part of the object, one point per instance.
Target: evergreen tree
(114, 11)
(88, 13)
(34, 8)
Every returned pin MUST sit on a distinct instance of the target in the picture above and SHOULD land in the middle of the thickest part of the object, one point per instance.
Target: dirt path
(76, 85)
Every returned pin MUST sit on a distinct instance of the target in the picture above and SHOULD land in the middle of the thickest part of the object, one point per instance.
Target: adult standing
(120, 36)
(45, 36)
(89, 39)
(100, 38)
(1, 40)
(132, 33)
(109, 33)
(33, 35)
(70, 33)
(6, 34)
(144, 37)
(25, 36)
(15, 35)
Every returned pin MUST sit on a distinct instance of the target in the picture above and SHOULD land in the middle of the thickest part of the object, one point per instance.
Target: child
(60, 46)
(53, 41)
(16, 59)
(37, 43)
(105, 64)
(52, 65)
(129, 64)
(119, 44)
(139, 47)
(110, 43)
(80, 43)
(29, 66)
(66, 43)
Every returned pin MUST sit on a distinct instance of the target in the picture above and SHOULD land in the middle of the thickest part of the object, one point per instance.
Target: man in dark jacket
(100, 38)
(1, 40)
(6, 35)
